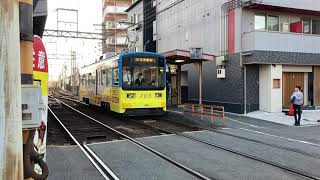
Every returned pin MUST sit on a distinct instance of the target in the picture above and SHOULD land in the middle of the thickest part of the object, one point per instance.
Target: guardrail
(204, 109)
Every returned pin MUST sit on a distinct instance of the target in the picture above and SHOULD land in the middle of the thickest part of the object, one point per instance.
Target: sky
(59, 49)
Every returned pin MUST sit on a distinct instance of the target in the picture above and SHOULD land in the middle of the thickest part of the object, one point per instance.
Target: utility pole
(11, 158)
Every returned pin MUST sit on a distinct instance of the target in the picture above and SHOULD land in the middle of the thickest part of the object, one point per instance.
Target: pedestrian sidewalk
(308, 117)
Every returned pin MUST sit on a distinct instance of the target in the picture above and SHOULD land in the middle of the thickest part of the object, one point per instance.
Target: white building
(265, 48)
(136, 26)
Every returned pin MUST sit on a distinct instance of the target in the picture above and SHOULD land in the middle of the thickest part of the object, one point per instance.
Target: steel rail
(111, 174)
(177, 164)
(288, 169)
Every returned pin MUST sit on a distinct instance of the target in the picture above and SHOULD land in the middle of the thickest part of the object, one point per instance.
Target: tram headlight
(158, 95)
(130, 95)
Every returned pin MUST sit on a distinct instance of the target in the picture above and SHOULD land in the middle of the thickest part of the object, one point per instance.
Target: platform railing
(204, 109)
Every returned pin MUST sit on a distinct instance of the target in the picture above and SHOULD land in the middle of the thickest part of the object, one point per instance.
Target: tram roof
(124, 54)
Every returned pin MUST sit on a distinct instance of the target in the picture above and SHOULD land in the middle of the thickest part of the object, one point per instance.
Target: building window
(260, 22)
(115, 76)
(306, 26)
(273, 23)
(315, 26)
(276, 83)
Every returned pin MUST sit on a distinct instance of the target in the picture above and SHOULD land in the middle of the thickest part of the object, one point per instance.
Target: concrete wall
(227, 92)
(270, 98)
(313, 5)
(281, 41)
(190, 24)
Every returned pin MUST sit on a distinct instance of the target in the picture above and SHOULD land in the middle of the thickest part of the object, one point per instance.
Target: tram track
(288, 169)
(101, 167)
(282, 167)
(247, 139)
(85, 148)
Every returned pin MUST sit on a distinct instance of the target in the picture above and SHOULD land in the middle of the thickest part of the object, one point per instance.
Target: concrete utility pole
(11, 160)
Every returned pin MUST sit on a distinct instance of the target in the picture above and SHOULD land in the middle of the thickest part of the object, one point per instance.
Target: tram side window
(103, 76)
(115, 76)
(98, 77)
(83, 80)
(109, 76)
(87, 79)
(93, 80)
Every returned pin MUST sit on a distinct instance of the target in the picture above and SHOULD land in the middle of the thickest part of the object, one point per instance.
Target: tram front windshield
(143, 73)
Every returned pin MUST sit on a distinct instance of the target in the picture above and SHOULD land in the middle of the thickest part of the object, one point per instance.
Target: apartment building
(114, 25)
(262, 49)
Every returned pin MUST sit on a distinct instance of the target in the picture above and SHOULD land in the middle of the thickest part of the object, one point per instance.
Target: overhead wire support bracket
(73, 34)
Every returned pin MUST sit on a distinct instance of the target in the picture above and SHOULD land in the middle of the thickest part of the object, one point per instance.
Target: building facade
(264, 49)
(142, 29)
(136, 27)
(114, 25)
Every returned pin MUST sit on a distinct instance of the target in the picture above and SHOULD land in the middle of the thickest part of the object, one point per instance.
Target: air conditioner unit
(221, 73)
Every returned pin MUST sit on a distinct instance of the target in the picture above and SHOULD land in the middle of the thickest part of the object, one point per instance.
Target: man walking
(297, 100)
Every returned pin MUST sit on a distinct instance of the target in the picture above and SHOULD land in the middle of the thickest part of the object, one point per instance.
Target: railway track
(160, 127)
(81, 143)
(245, 138)
(93, 157)
(288, 169)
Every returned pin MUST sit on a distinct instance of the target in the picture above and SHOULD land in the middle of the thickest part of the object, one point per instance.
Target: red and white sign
(40, 60)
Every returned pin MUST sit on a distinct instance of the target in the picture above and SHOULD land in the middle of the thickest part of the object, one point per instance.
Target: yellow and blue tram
(132, 83)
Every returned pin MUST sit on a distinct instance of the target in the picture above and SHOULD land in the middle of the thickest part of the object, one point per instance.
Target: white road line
(251, 125)
(285, 138)
(175, 111)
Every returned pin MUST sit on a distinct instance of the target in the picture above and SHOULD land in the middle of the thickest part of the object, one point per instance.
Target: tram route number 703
(145, 96)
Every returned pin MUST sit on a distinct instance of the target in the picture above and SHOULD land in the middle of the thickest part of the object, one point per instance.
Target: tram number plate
(145, 95)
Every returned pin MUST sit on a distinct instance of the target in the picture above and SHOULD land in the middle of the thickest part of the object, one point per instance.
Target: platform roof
(180, 57)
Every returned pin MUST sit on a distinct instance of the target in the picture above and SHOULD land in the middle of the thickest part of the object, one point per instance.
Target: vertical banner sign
(40, 78)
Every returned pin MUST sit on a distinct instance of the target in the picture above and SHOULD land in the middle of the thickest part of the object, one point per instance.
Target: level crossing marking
(243, 123)
(251, 125)
(285, 138)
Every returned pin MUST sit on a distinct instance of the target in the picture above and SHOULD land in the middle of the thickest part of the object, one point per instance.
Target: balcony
(310, 5)
(115, 10)
(280, 41)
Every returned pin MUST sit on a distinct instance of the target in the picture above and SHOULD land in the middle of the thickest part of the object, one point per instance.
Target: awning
(180, 57)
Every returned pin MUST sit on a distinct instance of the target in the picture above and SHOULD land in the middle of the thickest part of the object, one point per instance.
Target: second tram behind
(132, 83)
